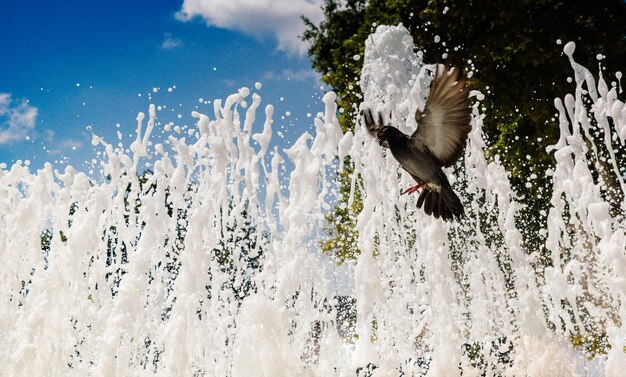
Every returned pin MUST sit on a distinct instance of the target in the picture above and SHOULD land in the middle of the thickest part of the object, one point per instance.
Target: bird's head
(382, 136)
(387, 133)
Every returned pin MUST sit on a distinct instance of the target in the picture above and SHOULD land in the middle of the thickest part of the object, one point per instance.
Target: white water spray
(209, 266)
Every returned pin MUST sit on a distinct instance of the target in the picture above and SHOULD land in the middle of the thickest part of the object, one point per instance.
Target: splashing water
(210, 266)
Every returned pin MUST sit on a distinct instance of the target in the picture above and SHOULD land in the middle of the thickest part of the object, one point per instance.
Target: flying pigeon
(438, 142)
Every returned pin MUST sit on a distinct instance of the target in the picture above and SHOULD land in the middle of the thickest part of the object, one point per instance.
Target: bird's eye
(380, 135)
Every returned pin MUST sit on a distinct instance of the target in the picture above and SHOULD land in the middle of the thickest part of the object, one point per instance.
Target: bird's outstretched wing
(445, 123)
(373, 126)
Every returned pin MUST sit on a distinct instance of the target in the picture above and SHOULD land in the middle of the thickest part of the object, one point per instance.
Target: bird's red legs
(412, 189)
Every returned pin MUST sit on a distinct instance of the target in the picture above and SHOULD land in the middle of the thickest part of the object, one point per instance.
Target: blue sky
(67, 65)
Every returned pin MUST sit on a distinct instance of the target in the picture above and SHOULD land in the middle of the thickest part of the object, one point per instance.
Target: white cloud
(17, 119)
(288, 74)
(228, 82)
(59, 146)
(259, 18)
(63, 145)
(170, 43)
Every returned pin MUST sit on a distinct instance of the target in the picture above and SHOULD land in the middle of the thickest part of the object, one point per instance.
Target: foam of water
(210, 266)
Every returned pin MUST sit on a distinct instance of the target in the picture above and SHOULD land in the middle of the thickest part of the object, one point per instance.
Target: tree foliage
(513, 48)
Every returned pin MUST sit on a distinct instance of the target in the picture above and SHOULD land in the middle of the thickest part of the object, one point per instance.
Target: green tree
(240, 252)
(512, 49)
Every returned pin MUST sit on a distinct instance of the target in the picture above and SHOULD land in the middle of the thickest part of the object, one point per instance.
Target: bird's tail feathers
(444, 204)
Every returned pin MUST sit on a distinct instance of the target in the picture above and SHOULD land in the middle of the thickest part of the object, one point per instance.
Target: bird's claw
(413, 189)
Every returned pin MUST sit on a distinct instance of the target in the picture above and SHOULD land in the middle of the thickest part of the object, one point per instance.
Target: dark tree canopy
(511, 47)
